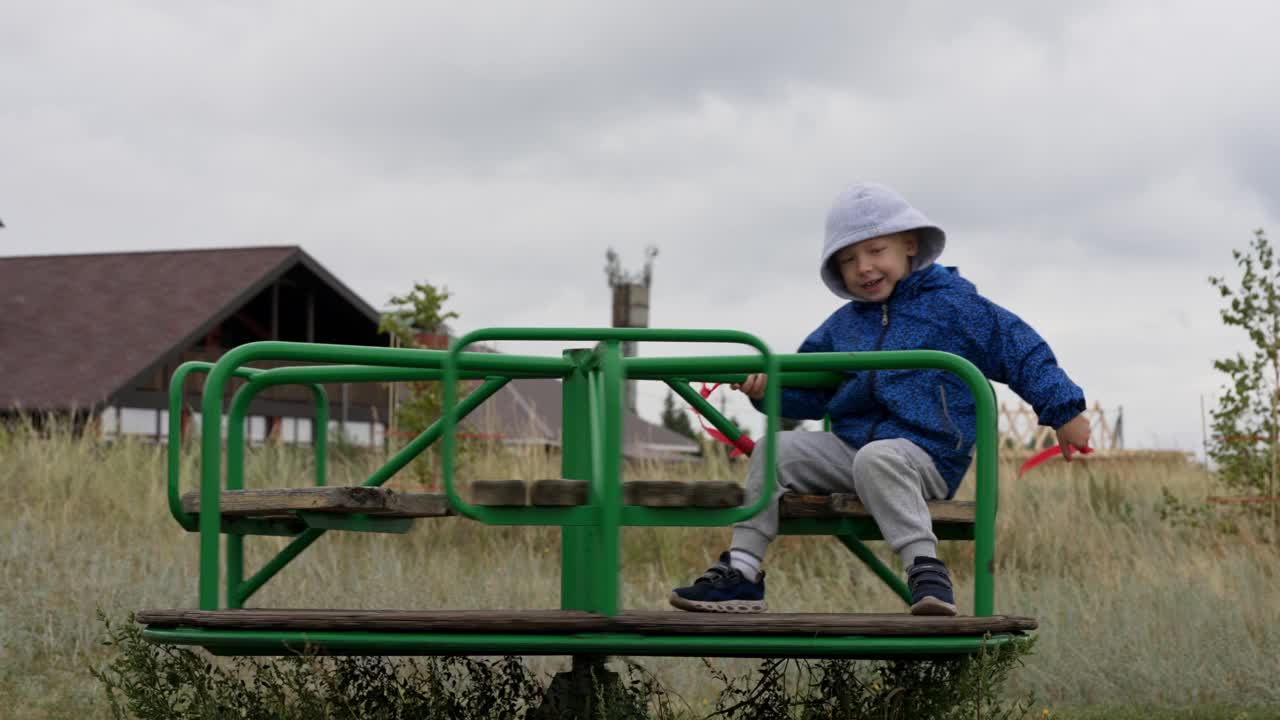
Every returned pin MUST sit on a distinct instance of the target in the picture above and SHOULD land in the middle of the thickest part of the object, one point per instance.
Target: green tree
(1245, 422)
(675, 419)
(412, 315)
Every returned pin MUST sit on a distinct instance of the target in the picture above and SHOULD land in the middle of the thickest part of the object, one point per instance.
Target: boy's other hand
(1073, 435)
(753, 386)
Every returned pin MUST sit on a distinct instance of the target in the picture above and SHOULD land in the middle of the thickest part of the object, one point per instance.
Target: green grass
(1143, 712)
(1135, 612)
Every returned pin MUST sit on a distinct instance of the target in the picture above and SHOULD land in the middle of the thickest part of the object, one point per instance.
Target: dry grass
(1132, 609)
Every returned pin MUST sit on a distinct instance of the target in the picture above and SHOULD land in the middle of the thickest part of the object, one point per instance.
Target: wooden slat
(538, 621)
(848, 505)
(678, 493)
(285, 501)
(499, 493)
(282, 503)
(657, 493)
(564, 621)
(717, 494)
(558, 493)
(686, 623)
(645, 493)
(337, 498)
(417, 505)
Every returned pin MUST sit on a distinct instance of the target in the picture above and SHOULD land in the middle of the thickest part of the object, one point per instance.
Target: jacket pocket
(946, 418)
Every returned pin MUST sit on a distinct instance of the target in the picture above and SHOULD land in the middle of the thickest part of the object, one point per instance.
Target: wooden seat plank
(681, 493)
(839, 505)
(649, 622)
(558, 492)
(499, 493)
(283, 502)
(657, 493)
(717, 494)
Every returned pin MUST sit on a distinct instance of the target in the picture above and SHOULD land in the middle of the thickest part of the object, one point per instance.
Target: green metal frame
(592, 396)
(278, 642)
(174, 450)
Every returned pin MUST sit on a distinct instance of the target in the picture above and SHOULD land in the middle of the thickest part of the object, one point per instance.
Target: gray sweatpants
(893, 478)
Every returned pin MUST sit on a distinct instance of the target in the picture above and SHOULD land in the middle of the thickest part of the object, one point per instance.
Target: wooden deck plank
(648, 622)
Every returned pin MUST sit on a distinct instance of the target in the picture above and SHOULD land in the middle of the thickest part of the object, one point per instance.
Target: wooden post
(311, 315)
(393, 389)
(346, 408)
(275, 310)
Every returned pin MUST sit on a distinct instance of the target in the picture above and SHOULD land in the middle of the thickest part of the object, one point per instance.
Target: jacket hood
(867, 210)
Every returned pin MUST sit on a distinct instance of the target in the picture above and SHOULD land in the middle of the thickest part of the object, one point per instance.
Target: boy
(900, 437)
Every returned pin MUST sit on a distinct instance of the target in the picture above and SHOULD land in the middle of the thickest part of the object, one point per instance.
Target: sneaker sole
(933, 606)
(724, 606)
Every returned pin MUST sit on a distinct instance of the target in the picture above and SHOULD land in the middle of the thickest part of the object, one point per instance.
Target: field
(1139, 617)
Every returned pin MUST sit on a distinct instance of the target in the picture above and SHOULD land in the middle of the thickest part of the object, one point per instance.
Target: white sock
(910, 552)
(745, 563)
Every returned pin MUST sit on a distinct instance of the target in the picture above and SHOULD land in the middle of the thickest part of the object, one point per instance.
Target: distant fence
(1020, 429)
(1021, 435)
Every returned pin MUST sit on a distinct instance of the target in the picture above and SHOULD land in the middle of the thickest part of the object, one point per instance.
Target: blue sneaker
(930, 588)
(723, 589)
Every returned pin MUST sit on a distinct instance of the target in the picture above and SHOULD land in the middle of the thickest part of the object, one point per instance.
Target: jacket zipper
(871, 381)
(946, 415)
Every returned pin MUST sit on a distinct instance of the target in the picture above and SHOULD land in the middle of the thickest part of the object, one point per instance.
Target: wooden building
(96, 338)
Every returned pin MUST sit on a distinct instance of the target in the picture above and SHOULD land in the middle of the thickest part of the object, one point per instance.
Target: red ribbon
(1044, 456)
(742, 446)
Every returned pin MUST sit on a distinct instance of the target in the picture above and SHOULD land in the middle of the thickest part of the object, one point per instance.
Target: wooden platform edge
(572, 621)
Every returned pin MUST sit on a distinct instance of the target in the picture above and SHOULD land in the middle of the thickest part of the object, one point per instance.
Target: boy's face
(873, 267)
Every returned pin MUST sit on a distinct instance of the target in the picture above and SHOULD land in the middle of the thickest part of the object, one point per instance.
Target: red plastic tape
(1044, 456)
(742, 446)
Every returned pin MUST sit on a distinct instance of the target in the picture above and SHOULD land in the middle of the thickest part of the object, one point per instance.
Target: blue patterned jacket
(932, 309)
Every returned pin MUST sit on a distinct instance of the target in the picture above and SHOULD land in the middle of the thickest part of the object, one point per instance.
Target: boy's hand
(753, 386)
(1075, 434)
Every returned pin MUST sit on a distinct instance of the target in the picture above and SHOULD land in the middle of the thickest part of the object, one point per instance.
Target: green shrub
(144, 681)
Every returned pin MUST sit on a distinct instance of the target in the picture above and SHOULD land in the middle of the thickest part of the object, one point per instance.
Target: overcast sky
(1092, 163)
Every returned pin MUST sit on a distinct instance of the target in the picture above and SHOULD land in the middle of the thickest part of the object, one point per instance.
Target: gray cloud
(1092, 164)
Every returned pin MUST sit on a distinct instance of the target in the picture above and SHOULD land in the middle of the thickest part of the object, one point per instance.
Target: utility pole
(630, 303)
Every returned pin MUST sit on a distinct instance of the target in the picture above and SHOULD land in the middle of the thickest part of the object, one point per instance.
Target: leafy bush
(145, 681)
(841, 689)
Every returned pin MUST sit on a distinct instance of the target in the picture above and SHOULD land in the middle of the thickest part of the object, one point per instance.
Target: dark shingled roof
(75, 329)
(530, 411)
